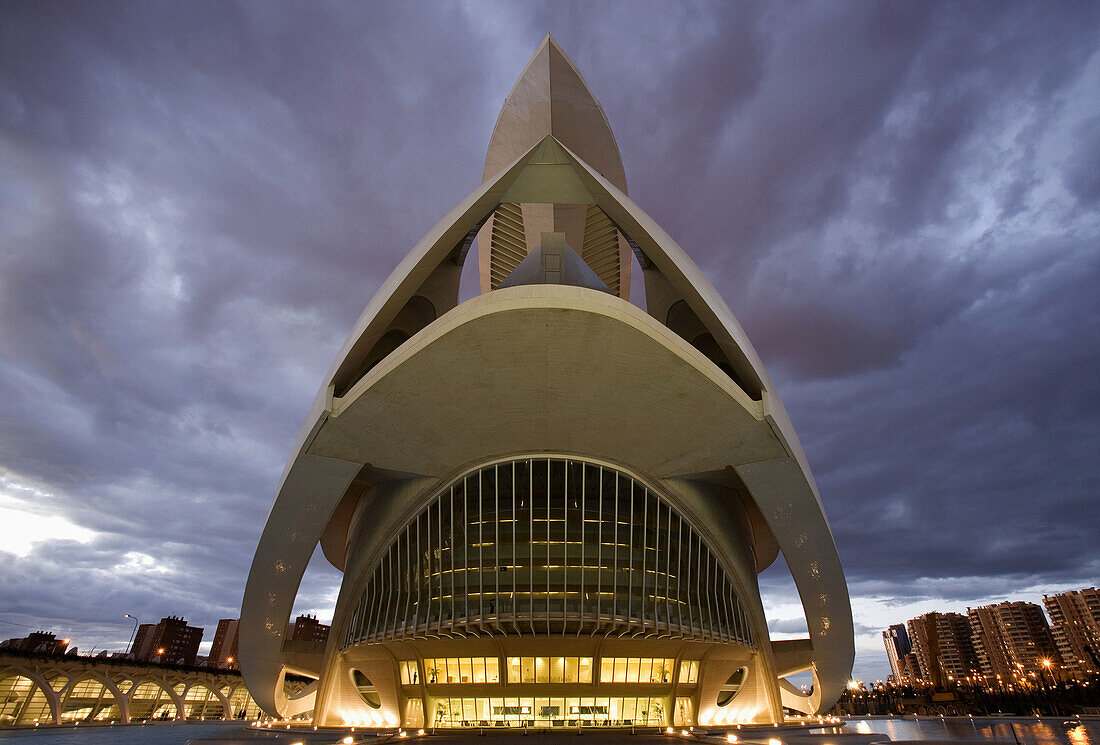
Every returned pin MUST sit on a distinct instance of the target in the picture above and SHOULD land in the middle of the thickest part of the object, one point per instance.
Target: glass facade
(201, 703)
(635, 670)
(151, 701)
(414, 712)
(452, 670)
(90, 700)
(462, 670)
(242, 705)
(548, 712)
(549, 669)
(545, 546)
(684, 714)
(22, 702)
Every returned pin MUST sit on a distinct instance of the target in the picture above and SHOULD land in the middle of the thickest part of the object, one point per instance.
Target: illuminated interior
(548, 546)
(549, 712)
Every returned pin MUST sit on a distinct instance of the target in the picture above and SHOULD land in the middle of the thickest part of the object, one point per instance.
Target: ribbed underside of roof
(601, 248)
(509, 246)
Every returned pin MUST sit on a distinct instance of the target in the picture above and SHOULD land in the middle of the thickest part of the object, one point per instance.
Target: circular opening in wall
(731, 687)
(366, 689)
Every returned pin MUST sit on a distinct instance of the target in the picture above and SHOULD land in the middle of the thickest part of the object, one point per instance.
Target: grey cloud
(1081, 174)
(787, 625)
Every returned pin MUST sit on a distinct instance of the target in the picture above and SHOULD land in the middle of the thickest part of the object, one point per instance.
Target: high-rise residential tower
(307, 628)
(1075, 623)
(1012, 640)
(223, 650)
(944, 650)
(550, 505)
(171, 641)
(896, 640)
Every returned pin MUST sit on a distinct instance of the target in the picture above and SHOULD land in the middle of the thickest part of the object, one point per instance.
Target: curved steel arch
(164, 685)
(51, 695)
(120, 697)
(217, 693)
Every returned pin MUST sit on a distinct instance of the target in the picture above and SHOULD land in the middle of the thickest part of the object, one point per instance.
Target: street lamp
(132, 633)
(1046, 665)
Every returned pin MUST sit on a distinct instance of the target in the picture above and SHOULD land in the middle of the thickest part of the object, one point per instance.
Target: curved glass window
(548, 546)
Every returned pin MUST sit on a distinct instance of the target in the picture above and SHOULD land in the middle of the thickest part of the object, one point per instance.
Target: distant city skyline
(1081, 605)
(1005, 643)
(899, 203)
(171, 641)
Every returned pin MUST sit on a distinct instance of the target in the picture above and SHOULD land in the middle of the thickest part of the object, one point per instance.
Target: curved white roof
(422, 408)
(551, 98)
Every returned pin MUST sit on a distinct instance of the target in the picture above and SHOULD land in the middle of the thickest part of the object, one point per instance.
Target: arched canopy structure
(26, 699)
(72, 689)
(153, 699)
(202, 701)
(544, 366)
(92, 697)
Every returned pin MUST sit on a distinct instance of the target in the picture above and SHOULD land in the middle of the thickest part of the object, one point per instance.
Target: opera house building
(550, 505)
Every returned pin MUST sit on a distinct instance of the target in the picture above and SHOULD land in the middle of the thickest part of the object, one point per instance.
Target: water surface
(1026, 731)
(1048, 731)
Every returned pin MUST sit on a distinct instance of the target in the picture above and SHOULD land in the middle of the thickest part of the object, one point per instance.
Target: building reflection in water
(1025, 731)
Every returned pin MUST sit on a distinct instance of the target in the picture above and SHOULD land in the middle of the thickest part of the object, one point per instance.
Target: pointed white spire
(551, 97)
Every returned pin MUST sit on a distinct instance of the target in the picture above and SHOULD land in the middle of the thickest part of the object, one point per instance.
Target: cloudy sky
(900, 202)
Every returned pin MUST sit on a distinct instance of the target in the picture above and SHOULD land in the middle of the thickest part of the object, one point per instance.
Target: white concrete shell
(424, 389)
(551, 97)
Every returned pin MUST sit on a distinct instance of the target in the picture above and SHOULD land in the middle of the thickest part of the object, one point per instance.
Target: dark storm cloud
(899, 201)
